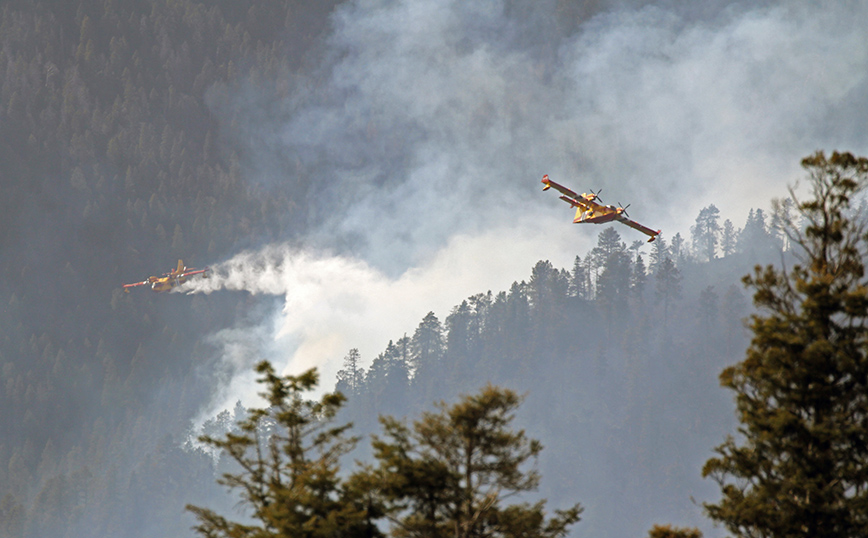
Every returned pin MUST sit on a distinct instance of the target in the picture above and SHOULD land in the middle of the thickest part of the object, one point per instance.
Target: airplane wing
(191, 273)
(636, 226)
(142, 283)
(563, 190)
(570, 197)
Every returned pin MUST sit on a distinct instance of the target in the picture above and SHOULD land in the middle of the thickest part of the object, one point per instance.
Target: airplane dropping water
(169, 280)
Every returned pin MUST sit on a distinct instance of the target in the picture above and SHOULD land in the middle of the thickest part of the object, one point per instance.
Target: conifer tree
(799, 466)
(287, 458)
(389, 375)
(659, 252)
(678, 250)
(449, 474)
(578, 279)
(668, 285)
(458, 334)
(638, 279)
(756, 236)
(706, 232)
(426, 345)
(728, 239)
(351, 378)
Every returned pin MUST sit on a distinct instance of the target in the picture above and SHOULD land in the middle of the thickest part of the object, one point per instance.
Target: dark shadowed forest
(108, 155)
(124, 146)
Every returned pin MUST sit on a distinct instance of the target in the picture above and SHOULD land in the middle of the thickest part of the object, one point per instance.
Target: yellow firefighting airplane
(587, 210)
(169, 280)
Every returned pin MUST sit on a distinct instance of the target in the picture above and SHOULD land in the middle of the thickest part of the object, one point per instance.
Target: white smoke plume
(445, 126)
(332, 303)
(432, 123)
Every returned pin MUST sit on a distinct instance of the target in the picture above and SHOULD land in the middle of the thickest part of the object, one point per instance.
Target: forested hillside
(618, 356)
(119, 154)
(112, 162)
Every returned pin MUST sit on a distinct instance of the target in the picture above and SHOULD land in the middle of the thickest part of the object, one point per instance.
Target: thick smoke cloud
(439, 116)
(716, 112)
(332, 303)
(435, 120)
(429, 125)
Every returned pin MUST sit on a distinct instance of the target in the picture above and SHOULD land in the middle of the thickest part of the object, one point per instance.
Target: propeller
(624, 209)
(597, 194)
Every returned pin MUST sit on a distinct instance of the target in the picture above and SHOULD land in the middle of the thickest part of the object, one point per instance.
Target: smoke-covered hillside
(346, 168)
(618, 357)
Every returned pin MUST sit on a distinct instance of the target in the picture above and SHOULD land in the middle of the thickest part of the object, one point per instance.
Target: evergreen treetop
(799, 465)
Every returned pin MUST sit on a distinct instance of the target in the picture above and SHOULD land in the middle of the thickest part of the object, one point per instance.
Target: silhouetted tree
(426, 345)
(728, 239)
(546, 293)
(458, 334)
(518, 321)
(756, 235)
(613, 288)
(578, 280)
(608, 243)
(450, 474)
(388, 378)
(351, 378)
(659, 252)
(668, 285)
(480, 305)
(678, 252)
(706, 232)
(638, 280)
(287, 458)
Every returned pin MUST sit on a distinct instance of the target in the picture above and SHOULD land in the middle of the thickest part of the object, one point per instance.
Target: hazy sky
(432, 123)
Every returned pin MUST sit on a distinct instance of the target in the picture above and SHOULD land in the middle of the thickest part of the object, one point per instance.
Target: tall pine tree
(799, 466)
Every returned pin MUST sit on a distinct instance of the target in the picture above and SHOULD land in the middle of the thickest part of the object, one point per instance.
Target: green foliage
(119, 121)
(115, 160)
(447, 476)
(287, 456)
(450, 474)
(668, 531)
(799, 467)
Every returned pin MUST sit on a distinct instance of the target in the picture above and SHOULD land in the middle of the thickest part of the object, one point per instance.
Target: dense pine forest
(110, 159)
(124, 146)
(618, 357)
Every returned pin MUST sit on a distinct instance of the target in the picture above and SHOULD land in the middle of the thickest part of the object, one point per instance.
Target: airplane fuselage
(167, 283)
(588, 210)
(169, 280)
(597, 217)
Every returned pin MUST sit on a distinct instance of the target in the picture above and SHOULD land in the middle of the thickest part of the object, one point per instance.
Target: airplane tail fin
(180, 268)
(579, 211)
